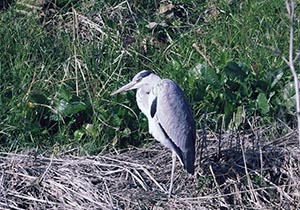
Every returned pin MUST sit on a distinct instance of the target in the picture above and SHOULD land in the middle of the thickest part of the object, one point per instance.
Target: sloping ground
(248, 175)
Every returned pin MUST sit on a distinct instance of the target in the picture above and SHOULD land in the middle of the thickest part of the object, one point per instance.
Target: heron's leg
(172, 172)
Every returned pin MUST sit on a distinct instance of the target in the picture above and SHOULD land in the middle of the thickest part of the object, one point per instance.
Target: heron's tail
(188, 161)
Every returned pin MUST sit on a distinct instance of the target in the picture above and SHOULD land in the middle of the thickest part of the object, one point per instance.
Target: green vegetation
(59, 62)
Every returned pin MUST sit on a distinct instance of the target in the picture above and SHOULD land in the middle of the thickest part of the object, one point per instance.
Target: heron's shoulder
(167, 84)
(167, 81)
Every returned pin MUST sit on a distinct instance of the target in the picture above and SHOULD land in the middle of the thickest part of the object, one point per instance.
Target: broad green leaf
(126, 132)
(198, 69)
(263, 103)
(224, 57)
(228, 110)
(78, 134)
(89, 128)
(261, 85)
(277, 78)
(38, 98)
(239, 116)
(288, 95)
(73, 108)
(65, 109)
(211, 76)
(65, 94)
(237, 70)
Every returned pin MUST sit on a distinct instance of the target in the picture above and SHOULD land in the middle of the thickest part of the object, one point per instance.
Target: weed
(60, 60)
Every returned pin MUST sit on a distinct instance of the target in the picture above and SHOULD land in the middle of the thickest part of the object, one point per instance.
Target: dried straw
(241, 176)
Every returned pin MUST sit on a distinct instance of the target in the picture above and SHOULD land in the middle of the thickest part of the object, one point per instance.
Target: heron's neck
(155, 80)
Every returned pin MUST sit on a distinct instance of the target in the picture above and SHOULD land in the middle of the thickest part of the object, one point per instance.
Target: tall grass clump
(53, 78)
(60, 60)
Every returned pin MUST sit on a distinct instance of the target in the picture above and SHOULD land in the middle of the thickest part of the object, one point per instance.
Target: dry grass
(248, 175)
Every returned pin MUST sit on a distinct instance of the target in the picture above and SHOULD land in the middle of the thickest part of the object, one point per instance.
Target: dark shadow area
(5, 4)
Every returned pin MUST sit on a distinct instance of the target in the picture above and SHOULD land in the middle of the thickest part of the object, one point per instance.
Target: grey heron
(169, 115)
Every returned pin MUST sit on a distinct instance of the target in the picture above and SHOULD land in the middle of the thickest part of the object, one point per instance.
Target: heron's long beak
(129, 86)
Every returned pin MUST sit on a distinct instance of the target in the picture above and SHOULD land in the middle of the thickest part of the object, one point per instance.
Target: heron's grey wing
(175, 116)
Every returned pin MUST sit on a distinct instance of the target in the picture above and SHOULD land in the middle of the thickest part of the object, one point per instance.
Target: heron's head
(143, 78)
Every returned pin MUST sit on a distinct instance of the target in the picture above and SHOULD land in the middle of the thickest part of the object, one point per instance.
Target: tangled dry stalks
(245, 174)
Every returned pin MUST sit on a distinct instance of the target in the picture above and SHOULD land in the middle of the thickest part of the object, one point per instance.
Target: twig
(202, 54)
(30, 198)
(234, 193)
(6, 205)
(109, 195)
(30, 86)
(251, 188)
(41, 178)
(155, 182)
(290, 6)
(140, 181)
(217, 185)
(55, 111)
(74, 43)
(286, 195)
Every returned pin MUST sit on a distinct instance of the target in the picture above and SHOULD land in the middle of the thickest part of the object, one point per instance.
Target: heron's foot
(169, 193)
